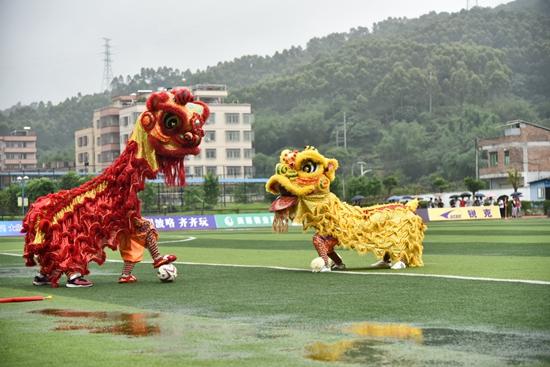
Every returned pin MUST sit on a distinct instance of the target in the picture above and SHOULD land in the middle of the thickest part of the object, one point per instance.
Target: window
(209, 136)
(98, 140)
(135, 116)
(231, 118)
(210, 153)
(233, 153)
(124, 139)
(211, 119)
(233, 171)
(198, 171)
(540, 193)
(247, 135)
(232, 136)
(506, 157)
(82, 141)
(248, 171)
(248, 118)
(248, 153)
(125, 120)
(493, 159)
(211, 170)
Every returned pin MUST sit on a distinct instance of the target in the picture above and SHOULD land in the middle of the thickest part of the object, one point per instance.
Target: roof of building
(513, 122)
(540, 180)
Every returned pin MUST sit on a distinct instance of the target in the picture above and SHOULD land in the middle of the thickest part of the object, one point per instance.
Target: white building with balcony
(226, 150)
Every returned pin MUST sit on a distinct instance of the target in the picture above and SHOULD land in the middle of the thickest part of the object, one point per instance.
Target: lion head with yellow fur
(300, 174)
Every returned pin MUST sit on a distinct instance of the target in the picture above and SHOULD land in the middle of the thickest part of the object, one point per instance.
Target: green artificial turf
(260, 316)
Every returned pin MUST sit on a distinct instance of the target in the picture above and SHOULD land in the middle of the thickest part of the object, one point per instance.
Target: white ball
(317, 264)
(167, 273)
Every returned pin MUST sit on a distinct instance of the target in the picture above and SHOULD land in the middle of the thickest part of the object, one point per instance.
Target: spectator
(502, 207)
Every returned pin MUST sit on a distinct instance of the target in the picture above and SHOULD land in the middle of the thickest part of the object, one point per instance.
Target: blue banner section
(10, 228)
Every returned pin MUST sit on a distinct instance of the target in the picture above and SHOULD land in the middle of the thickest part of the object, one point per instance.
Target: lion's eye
(171, 121)
(309, 167)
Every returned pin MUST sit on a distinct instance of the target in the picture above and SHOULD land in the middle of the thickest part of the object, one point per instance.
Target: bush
(546, 207)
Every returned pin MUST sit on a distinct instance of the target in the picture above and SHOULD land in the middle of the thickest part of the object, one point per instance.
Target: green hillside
(416, 93)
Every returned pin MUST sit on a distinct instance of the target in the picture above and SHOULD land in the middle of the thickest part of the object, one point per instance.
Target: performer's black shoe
(341, 266)
(41, 280)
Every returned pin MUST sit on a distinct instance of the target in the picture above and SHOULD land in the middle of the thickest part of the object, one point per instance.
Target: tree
(240, 193)
(193, 197)
(147, 197)
(439, 183)
(390, 182)
(70, 180)
(514, 178)
(39, 187)
(473, 185)
(211, 188)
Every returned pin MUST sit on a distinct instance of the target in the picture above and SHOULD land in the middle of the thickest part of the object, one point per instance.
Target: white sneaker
(325, 269)
(399, 265)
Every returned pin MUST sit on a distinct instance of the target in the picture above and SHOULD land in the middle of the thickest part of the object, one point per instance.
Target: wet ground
(396, 344)
(129, 324)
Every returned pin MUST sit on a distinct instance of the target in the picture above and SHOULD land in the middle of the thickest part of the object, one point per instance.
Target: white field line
(454, 277)
(190, 238)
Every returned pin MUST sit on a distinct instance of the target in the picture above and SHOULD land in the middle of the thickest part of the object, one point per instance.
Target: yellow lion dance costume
(392, 232)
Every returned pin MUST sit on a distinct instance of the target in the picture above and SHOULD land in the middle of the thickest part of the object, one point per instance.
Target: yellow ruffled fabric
(380, 229)
(145, 150)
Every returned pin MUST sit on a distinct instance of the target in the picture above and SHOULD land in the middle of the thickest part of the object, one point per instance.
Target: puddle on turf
(412, 345)
(129, 324)
(391, 331)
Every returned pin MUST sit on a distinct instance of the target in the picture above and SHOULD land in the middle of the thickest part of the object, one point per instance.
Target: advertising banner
(182, 222)
(466, 213)
(245, 220)
(10, 228)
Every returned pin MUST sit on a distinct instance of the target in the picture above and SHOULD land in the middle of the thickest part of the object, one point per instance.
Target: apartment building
(18, 151)
(523, 146)
(226, 151)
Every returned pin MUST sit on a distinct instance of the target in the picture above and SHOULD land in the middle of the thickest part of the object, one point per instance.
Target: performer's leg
(152, 246)
(127, 276)
(325, 248)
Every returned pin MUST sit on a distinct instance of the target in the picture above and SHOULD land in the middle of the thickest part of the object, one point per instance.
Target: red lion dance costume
(68, 229)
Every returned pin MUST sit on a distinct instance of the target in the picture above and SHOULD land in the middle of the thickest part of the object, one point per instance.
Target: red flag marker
(24, 299)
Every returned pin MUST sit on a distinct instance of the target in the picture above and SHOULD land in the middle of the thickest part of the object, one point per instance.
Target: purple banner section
(183, 222)
(423, 213)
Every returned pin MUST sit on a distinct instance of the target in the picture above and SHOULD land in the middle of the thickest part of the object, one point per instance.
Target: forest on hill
(415, 93)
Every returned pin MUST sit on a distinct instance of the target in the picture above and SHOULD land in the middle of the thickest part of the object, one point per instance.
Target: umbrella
(357, 198)
(479, 195)
(406, 197)
(465, 194)
(393, 198)
(454, 196)
(504, 197)
(516, 193)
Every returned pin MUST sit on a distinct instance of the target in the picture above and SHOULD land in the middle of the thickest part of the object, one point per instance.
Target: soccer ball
(167, 273)
(318, 263)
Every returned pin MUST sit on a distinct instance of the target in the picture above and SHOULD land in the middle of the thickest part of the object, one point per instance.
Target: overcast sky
(52, 49)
